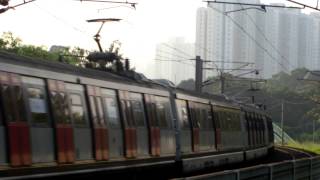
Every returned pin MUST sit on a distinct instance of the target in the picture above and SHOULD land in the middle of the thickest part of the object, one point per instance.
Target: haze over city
(60, 22)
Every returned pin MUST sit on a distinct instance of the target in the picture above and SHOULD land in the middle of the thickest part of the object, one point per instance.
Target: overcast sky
(63, 22)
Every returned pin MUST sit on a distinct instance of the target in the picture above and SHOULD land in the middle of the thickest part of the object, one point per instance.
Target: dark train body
(58, 118)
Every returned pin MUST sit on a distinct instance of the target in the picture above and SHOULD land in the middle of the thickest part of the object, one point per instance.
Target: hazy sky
(63, 22)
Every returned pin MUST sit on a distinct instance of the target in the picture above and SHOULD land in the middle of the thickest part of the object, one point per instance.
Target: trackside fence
(301, 169)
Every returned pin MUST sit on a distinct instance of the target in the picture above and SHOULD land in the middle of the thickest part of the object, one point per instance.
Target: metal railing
(302, 169)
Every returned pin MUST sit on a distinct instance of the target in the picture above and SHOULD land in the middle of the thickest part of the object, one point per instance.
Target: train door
(100, 130)
(252, 130)
(195, 125)
(260, 130)
(81, 127)
(265, 130)
(138, 115)
(206, 135)
(270, 131)
(130, 135)
(136, 132)
(167, 133)
(154, 129)
(256, 122)
(18, 130)
(185, 126)
(42, 135)
(3, 146)
(62, 121)
(248, 125)
(217, 125)
(111, 111)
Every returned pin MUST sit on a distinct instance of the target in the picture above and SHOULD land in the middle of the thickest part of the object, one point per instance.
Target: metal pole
(198, 74)
(313, 130)
(222, 83)
(282, 119)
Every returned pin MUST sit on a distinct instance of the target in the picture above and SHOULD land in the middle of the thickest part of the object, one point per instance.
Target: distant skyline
(63, 22)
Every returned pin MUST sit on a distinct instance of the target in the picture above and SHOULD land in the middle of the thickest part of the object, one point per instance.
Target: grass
(308, 146)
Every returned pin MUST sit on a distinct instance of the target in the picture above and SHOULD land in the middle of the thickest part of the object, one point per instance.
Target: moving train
(56, 117)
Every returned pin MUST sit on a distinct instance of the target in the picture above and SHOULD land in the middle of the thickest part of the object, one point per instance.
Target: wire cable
(251, 37)
(61, 20)
(178, 50)
(169, 53)
(265, 37)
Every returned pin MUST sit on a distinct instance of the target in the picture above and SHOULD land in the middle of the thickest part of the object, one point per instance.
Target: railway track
(287, 162)
(281, 156)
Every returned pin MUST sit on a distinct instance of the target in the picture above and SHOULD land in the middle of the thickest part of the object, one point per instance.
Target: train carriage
(55, 115)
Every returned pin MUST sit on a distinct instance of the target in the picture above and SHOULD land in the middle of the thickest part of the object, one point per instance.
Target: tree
(111, 59)
(10, 43)
(4, 2)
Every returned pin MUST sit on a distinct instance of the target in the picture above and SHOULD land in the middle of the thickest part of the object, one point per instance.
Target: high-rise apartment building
(220, 40)
(276, 40)
(174, 60)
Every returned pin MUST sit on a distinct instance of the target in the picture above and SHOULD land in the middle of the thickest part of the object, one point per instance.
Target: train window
(20, 107)
(228, 121)
(199, 117)
(152, 111)
(163, 112)
(153, 115)
(77, 109)
(127, 113)
(64, 107)
(112, 113)
(194, 115)
(93, 109)
(59, 102)
(208, 117)
(205, 117)
(7, 103)
(161, 115)
(138, 113)
(238, 122)
(37, 105)
(1, 116)
(216, 119)
(222, 120)
(183, 114)
(100, 110)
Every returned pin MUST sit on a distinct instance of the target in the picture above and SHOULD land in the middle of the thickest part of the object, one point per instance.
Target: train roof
(215, 99)
(129, 77)
(252, 108)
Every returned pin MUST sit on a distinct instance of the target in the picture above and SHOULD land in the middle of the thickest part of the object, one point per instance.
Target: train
(58, 118)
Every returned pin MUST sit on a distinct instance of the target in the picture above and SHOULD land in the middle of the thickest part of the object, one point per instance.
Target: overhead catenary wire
(61, 20)
(177, 50)
(175, 61)
(265, 37)
(172, 54)
(251, 37)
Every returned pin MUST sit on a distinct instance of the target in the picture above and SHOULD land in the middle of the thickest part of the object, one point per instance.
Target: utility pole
(282, 116)
(313, 130)
(222, 82)
(199, 73)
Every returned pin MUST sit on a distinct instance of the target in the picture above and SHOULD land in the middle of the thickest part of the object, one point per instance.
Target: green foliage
(308, 146)
(110, 60)
(10, 43)
(300, 109)
(187, 84)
